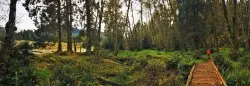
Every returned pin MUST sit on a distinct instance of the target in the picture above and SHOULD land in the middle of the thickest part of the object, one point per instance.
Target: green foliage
(146, 43)
(238, 78)
(223, 63)
(235, 55)
(185, 65)
(84, 40)
(40, 43)
(18, 70)
(198, 54)
(26, 35)
(42, 76)
(68, 75)
(23, 48)
(245, 60)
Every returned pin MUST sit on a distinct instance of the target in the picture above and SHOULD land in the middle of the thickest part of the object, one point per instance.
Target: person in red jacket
(208, 52)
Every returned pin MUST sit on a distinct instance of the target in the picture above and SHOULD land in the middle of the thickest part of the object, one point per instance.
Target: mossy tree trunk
(10, 31)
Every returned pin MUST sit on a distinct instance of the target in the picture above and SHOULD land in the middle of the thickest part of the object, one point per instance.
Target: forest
(127, 43)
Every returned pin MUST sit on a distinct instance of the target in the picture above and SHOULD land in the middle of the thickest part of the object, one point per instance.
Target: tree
(100, 23)
(10, 29)
(192, 23)
(248, 31)
(59, 48)
(114, 23)
(231, 29)
(47, 17)
(69, 25)
(88, 13)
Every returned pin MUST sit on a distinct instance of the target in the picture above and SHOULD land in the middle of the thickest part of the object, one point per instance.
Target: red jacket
(208, 52)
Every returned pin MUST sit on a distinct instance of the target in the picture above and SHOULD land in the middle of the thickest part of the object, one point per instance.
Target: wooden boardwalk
(205, 74)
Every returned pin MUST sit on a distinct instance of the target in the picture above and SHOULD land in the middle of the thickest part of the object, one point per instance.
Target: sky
(24, 22)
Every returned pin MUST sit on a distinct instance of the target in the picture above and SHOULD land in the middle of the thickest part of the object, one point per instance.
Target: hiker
(208, 52)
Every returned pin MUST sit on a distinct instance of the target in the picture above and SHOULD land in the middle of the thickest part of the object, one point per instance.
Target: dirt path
(205, 74)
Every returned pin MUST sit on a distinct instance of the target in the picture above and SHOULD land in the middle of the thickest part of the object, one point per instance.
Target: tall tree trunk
(59, 49)
(248, 31)
(74, 44)
(96, 42)
(89, 39)
(233, 39)
(115, 32)
(10, 29)
(69, 28)
(100, 23)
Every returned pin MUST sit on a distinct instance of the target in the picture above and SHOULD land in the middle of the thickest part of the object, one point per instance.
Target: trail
(205, 74)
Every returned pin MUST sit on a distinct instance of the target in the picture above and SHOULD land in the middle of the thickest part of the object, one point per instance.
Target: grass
(236, 70)
(128, 68)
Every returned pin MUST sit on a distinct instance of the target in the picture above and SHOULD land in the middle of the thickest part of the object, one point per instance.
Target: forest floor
(133, 68)
(136, 68)
(128, 68)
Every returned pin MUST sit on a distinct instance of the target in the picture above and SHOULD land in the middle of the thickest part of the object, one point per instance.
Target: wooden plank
(205, 73)
(190, 76)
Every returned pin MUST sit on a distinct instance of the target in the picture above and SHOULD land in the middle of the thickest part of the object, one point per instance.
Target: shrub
(184, 62)
(23, 48)
(185, 66)
(65, 74)
(146, 43)
(245, 61)
(40, 43)
(235, 55)
(222, 62)
(238, 78)
(17, 72)
(172, 63)
(198, 53)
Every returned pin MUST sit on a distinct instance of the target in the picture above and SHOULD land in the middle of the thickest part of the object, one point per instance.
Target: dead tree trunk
(10, 29)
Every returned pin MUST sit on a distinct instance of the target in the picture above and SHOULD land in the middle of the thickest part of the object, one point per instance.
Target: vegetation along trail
(124, 42)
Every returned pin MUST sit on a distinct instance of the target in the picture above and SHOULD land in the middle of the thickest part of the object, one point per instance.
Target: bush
(17, 72)
(245, 61)
(23, 48)
(198, 53)
(185, 66)
(238, 78)
(184, 62)
(40, 43)
(236, 55)
(222, 62)
(68, 75)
